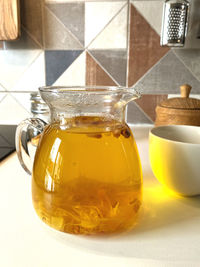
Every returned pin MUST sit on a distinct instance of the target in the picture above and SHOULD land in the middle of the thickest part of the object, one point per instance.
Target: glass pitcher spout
(67, 102)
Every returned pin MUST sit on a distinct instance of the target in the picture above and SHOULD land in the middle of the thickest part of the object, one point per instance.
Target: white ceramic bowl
(174, 152)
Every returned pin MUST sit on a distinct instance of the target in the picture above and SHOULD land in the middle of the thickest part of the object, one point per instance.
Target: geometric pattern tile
(72, 17)
(13, 63)
(57, 37)
(95, 75)
(32, 19)
(147, 9)
(145, 49)
(167, 76)
(148, 104)
(191, 59)
(56, 63)
(192, 41)
(28, 82)
(2, 94)
(75, 74)
(98, 15)
(115, 33)
(11, 112)
(85, 42)
(24, 42)
(114, 61)
(24, 100)
(136, 115)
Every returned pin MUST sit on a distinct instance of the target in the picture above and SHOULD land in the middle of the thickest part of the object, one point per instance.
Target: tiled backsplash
(96, 43)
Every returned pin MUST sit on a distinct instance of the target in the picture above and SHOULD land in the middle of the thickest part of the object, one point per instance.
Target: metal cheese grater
(174, 23)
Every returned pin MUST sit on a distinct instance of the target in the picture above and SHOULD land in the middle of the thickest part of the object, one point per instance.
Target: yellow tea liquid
(87, 178)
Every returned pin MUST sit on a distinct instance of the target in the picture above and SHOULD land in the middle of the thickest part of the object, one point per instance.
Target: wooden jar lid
(179, 110)
(183, 102)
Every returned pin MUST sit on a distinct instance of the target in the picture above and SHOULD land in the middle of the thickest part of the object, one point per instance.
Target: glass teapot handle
(21, 143)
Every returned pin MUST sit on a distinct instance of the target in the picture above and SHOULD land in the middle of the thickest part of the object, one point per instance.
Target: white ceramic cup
(174, 152)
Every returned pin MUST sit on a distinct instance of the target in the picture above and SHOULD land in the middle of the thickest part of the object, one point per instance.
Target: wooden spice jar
(180, 110)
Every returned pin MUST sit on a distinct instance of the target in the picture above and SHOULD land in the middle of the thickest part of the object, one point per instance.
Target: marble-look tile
(33, 77)
(97, 16)
(114, 61)
(148, 9)
(136, 116)
(56, 63)
(72, 15)
(167, 76)
(191, 59)
(13, 63)
(32, 18)
(75, 74)
(12, 115)
(57, 37)
(95, 75)
(115, 33)
(148, 104)
(145, 50)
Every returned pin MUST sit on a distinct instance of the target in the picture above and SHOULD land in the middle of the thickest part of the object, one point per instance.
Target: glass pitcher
(86, 175)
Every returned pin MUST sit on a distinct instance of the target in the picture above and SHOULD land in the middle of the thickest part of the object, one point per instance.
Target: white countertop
(168, 232)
